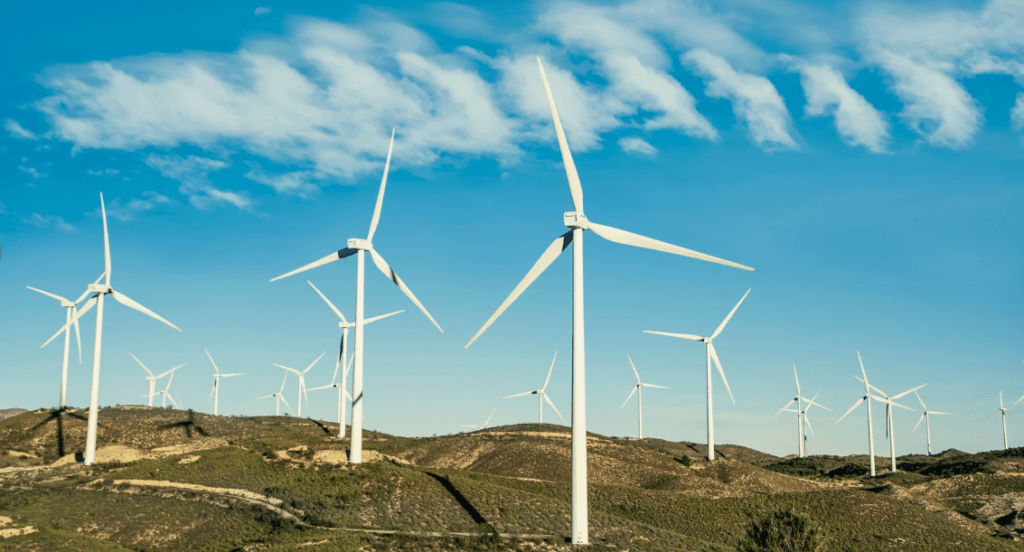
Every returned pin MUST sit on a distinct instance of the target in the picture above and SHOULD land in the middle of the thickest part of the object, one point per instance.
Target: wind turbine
(865, 399)
(541, 395)
(801, 415)
(358, 247)
(927, 421)
(483, 427)
(710, 355)
(152, 379)
(889, 429)
(302, 381)
(1005, 411)
(807, 421)
(215, 392)
(72, 310)
(342, 357)
(100, 291)
(166, 391)
(280, 397)
(638, 388)
(578, 223)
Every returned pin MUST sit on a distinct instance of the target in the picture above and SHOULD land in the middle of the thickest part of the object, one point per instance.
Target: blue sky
(864, 157)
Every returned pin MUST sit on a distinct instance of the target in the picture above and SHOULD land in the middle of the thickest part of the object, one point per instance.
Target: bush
(782, 532)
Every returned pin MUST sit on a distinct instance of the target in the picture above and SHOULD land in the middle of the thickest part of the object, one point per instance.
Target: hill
(10, 412)
(194, 481)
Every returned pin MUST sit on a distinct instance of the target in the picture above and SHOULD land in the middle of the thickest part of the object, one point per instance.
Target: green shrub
(782, 532)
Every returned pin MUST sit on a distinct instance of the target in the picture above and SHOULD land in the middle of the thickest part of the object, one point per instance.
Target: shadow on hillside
(188, 425)
(469, 508)
(58, 414)
(320, 424)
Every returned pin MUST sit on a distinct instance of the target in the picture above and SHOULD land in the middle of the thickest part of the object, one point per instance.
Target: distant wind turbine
(483, 427)
(215, 392)
(358, 247)
(710, 355)
(1005, 411)
(927, 421)
(889, 428)
(153, 379)
(638, 388)
(280, 397)
(807, 421)
(342, 393)
(865, 399)
(578, 223)
(100, 291)
(166, 391)
(541, 395)
(302, 381)
(801, 415)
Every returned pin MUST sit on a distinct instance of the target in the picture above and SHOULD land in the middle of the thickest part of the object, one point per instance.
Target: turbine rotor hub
(360, 244)
(99, 288)
(67, 304)
(576, 220)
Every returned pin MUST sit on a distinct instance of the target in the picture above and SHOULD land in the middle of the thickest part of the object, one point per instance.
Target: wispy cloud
(49, 221)
(1017, 115)
(101, 172)
(827, 93)
(637, 145)
(125, 212)
(261, 11)
(3, 208)
(293, 183)
(193, 174)
(18, 131)
(31, 171)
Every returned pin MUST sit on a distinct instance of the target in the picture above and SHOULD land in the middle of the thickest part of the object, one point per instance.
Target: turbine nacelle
(359, 244)
(99, 288)
(575, 220)
(67, 304)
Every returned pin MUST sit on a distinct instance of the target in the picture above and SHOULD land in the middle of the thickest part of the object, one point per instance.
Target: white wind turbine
(358, 247)
(638, 388)
(807, 421)
(302, 381)
(801, 412)
(578, 223)
(280, 397)
(100, 291)
(889, 429)
(710, 355)
(865, 399)
(927, 421)
(1005, 411)
(72, 310)
(541, 395)
(166, 391)
(215, 392)
(153, 379)
(483, 427)
(342, 357)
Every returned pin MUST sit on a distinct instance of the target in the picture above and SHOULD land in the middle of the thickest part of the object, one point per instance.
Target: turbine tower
(710, 355)
(1005, 411)
(578, 223)
(215, 392)
(343, 357)
(541, 395)
(101, 291)
(927, 421)
(889, 429)
(153, 379)
(72, 310)
(638, 388)
(865, 399)
(483, 427)
(359, 247)
(807, 421)
(280, 397)
(801, 415)
(302, 381)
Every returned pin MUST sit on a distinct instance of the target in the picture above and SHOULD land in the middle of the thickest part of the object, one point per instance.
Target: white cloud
(31, 171)
(294, 183)
(755, 101)
(261, 11)
(636, 145)
(193, 174)
(47, 221)
(827, 93)
(125, 212)
(1017, 115)
(3, 209)
(102, 172)
(18, 131)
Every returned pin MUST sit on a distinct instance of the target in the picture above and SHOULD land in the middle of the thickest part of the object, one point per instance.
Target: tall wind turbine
(710, 355)
(889, 429)
(280, 397)
(865, 399)
(101, 291)
(927, 422)
(215, 392)
(72, 310)
(166, 391)
(487, 421)
(302, 381)
(578, 223)
(153, 379)
(358, 247)
(342, 356)
(541, 395)
(1005, 411)
(801, 414)
(638, 388)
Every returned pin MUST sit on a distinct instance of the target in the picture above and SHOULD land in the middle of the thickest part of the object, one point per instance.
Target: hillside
(195, 481)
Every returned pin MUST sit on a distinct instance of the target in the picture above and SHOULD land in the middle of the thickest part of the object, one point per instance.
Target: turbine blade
(489, 418)
(990, 415)
(285, 401)
(575, 189)
(681, 336)
(1017, 401)
(380, 194)
(925, 408)
(855, 405)
(783, 409)
(943, 413)
(381, 317)
(128, 302)
(634, 368)
(552, 405)
(636, 240)
(339, 254)
(314, 362)
(214, 388)
(266, 397)
(545, 260)
(657, 386)
(211, 360)
(863, 373)
(901, 406)
(810, 401)
(807, 422)
(106, 239)
(547, 379)
(329, 303)
(284, 381)
(143, 365)
(74, 317)
(914, 390)
(78, 333)
(521, 394)
(630, 396)
(718, 364)
(919, 420)
(797, 378)
(387, 270)
(727, 318)
(331, 386)
(285, 367)
(48, 294)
